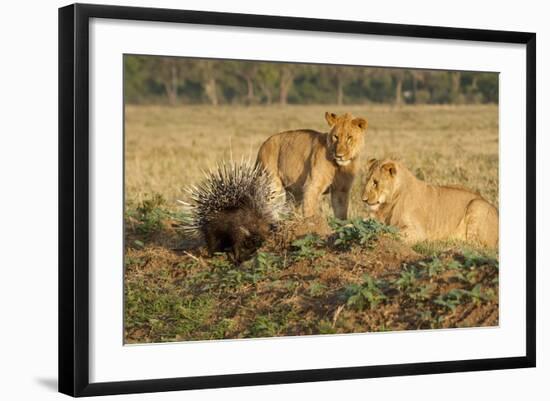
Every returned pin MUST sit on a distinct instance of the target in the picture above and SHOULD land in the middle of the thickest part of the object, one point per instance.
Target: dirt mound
(290, 230)
(356, 277)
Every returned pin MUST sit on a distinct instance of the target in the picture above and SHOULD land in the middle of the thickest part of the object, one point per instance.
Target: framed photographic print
(250, 199)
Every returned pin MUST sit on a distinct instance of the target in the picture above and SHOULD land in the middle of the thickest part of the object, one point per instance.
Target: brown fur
(308, 163)
(241, 231)
(427, 212)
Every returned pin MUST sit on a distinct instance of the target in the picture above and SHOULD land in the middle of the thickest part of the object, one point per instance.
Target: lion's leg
(268, 160)
(412, 232)
(312, 199)
(340, 204)
(340, 195)
(279, 186)
(316, 184)
(482, 223)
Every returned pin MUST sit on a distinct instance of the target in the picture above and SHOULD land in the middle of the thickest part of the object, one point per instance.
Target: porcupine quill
(234, 207)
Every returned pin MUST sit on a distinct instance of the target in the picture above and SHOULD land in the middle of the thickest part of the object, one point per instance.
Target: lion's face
(345, 137)
(381, 183)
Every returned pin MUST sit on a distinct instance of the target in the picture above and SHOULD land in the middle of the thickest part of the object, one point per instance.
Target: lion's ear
(390, 167)
(370, 163)
(361, 123)
(331, 119)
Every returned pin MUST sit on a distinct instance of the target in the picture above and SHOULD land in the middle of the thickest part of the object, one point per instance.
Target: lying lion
(422, 211)
(308, 163)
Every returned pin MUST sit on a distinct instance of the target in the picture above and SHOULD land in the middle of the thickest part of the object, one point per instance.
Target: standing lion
(308, 163)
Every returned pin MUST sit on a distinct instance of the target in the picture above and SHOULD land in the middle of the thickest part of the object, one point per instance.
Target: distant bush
(148, 79)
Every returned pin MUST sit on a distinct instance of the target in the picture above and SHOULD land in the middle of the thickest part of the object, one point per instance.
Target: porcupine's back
(234, 207)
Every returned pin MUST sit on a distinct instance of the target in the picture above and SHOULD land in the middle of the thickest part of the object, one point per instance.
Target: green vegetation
(369, 281)
(368, 293)
(150, 216)
(174, 80)
(307, 247)
(358, 231)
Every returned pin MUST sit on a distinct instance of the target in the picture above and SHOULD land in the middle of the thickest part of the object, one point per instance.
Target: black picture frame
(74, 198)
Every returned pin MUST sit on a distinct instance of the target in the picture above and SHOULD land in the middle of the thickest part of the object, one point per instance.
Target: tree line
(175, 80)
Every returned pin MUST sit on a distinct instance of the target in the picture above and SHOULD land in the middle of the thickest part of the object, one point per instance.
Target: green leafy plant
(407, 279)
(263, 326)
(368, 293)
(474, 258)
(149, 214)
(458, 296)
(307, 247)
(422, 293)
(221, 274)
(129, 261)
(265, 263)
(451, 299)
(478, 295)
(325, 327)
(435, 266)
(408, 282)
(358, 231)
(427, 317)
(316, 289)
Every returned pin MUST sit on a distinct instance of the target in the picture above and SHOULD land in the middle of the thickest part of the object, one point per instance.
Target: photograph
(272, 199)
(257, 199)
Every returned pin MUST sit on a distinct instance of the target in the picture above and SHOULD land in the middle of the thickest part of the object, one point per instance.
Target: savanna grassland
(360, 278)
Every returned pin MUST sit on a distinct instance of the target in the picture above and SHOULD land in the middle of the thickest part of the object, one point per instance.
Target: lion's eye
(334, 138)
(375, 183)
(349, 140)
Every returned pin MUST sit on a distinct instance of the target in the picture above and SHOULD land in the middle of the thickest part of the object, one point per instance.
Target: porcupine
(234, 207)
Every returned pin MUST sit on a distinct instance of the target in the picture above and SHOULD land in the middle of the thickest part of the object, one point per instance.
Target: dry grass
(168, 147)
